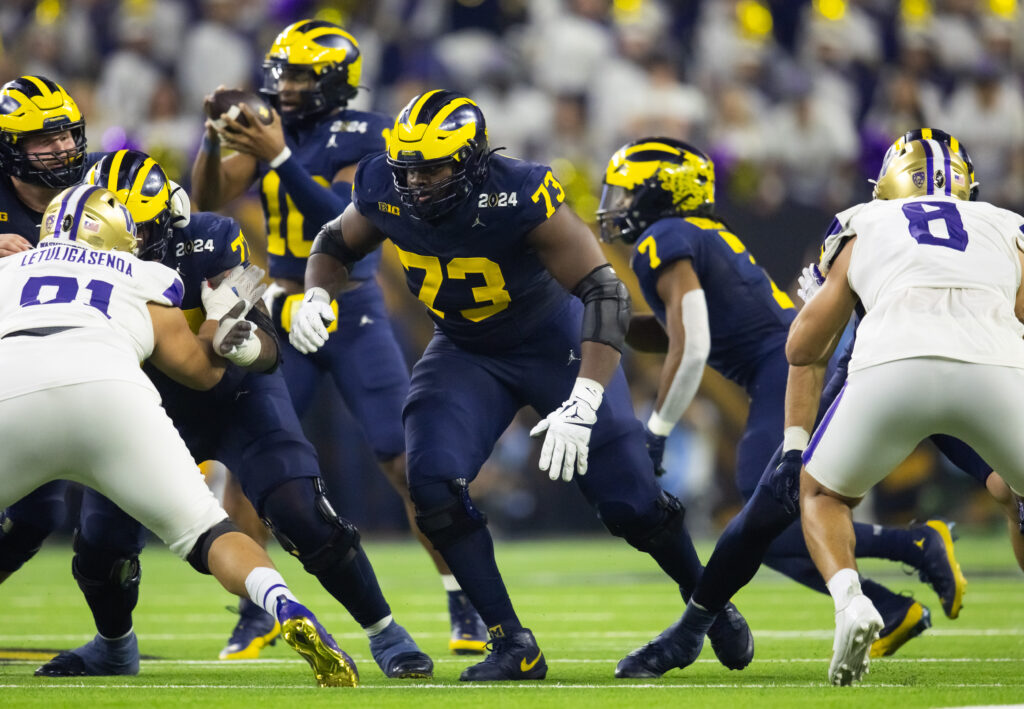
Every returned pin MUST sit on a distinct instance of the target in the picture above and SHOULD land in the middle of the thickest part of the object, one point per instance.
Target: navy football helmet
(435, 132)
(32, 106)
(650, 179)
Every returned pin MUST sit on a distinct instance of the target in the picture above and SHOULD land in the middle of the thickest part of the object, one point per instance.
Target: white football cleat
(857, 627)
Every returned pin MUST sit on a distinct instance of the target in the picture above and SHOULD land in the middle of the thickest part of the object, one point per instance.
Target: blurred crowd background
(795, 100)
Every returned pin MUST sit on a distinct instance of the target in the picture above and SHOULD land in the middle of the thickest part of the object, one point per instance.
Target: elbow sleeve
(606, 307)
(330, 241)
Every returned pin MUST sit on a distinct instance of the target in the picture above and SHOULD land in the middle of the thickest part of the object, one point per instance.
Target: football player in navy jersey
(718, 308)
(304, 162)
(496, 257)
(42, 151)
(247, 421)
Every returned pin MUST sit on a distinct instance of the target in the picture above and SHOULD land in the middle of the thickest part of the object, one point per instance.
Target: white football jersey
(937, 276)
(101, 294)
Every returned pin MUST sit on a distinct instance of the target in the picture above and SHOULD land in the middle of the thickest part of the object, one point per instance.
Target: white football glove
(236, 341)
(810, 281)
(566, 444)
(310, 321)
(181, 206)
(241, 283)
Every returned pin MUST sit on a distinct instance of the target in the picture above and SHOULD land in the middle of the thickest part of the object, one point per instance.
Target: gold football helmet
(434, 130)
(650, 179)
(926, 161)
(140, 184)
(92, 216)
(34, 106)
(322, 51)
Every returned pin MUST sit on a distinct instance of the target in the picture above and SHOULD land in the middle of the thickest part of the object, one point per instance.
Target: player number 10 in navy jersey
(285, 222)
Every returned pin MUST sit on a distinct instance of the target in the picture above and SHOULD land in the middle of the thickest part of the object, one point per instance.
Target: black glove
(785, 481)
(655, 449)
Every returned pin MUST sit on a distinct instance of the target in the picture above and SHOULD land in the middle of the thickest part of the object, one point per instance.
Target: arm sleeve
(317, 203)
(691, 367)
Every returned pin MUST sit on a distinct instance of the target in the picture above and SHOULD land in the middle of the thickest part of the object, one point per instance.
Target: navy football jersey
(747, 313)
(332, 143)
(208, 246)
(483, 285)
(16, 217)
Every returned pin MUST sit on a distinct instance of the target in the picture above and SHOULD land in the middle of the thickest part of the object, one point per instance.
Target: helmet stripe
(315, 25)
(113, 176)
(929, 165)
(947, 170)
(424, 109)
(141, 173)
(447, 109)
(80, 195)
(75, 202)
(417, 108)
(34, 86)
(653, 146)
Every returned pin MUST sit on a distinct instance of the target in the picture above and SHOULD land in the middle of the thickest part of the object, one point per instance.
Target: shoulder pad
(838, 234)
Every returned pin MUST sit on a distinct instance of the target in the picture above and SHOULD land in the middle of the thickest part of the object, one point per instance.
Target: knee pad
(19, 542)
(199, 557)
(94, 567)
(320, 541)
(649, 531)
(445, 513)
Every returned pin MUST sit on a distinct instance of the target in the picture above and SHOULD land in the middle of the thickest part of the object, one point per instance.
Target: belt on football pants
(39, 331)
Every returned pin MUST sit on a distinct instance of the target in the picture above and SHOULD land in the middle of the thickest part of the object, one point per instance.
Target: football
(229, 101)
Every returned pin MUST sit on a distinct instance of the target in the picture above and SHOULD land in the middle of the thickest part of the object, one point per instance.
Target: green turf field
(589, 602)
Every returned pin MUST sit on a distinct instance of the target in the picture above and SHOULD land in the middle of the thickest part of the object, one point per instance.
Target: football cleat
(98, 657)
(857, 627)
(301, 630)
(731, 638)
(398, 656)
(255, 630)
(513, 658)
(939, 568)
(903, 626)
(469, 634)
(677, 646)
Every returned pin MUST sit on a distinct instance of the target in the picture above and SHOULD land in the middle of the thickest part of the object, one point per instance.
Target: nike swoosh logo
(525, 666)
(919, 543)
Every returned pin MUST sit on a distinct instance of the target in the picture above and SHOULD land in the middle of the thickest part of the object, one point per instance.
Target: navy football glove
(655, 449)
(785, 481)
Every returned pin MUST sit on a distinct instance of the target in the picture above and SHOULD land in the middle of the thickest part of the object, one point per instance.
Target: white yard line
(642, 636)
(539, 686)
